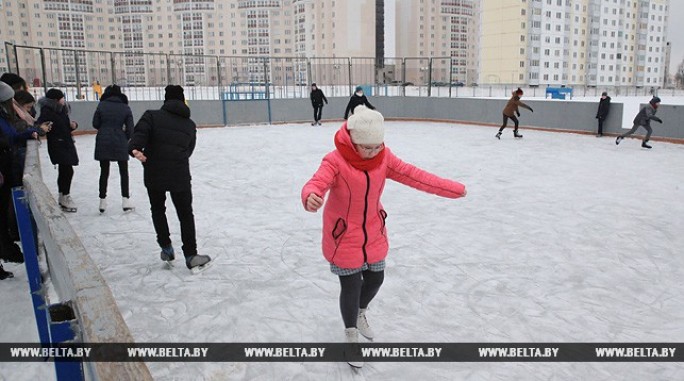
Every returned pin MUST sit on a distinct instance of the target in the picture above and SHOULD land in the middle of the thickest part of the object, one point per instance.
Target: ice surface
(562, 238)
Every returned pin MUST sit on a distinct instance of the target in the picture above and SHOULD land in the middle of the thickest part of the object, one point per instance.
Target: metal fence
(143, 76)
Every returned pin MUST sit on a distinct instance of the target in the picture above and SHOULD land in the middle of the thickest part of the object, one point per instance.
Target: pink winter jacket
(353, 217)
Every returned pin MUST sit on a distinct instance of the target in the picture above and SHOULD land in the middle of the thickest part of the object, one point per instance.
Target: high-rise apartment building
(165, 29)
(588, 42)
(438, 29)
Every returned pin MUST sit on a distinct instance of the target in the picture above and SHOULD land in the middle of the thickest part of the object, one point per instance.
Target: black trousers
(635, 127)
(318, 112)
(357, 290)
(600, 126)
(182, 201)
(65, 173)
(104, 177)
(505, 122)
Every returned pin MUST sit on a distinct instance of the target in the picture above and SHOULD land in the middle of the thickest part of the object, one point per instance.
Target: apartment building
(151, 36)
(566, 42)
(439, 29)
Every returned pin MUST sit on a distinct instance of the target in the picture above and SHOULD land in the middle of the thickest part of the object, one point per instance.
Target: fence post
(349, 62)
(168, 70)
(451, 74)
(218, 75)
(430, 76)
(7, 55)
(112, 62)
(16, 59)
(42, 66)
(309, 76)
(78, 77)
(403, 76)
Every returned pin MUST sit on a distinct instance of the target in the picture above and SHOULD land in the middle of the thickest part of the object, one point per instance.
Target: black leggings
(64, 175)
(318, 112)
(505, 122)
(357, 291)
(104, 176)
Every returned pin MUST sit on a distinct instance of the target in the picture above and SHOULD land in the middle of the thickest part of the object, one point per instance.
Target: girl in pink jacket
(354, 234)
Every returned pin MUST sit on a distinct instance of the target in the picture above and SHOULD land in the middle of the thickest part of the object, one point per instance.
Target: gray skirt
(375, 267)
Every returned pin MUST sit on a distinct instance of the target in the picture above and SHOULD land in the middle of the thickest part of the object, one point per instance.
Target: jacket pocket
(339, 229)
(383, 218)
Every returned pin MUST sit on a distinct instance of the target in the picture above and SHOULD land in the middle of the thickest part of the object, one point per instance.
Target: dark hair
(519, 91)
(113, 91)
(23, 97)
(55, 94)
(15, 81)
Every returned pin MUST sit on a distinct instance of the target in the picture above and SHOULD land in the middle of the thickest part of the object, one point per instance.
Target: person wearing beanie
(510, 110)
(643, 119)
(354, 233)
(317, 98)
(358, 98)
(61, 147)
(163, 141)
(602, 112)
(113, 121)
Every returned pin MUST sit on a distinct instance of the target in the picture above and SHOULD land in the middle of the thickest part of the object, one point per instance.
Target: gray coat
(113, 121)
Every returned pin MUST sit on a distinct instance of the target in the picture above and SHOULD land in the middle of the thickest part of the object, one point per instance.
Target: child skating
(354, 234)
(643, 119)
(509, 113)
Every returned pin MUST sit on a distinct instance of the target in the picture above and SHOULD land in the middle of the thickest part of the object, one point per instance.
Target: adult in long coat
(113, 121)
(61, 147)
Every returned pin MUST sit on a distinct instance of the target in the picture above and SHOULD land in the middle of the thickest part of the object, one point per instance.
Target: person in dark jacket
(510, 110)
(643, 119)
(61, 147)
(317, 98)
(113, 121)
(602, 112)
(163, 140)
(4, 166)
(357, 99)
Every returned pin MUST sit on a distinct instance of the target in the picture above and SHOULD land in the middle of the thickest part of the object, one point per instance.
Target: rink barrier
(76, 278)
(548, 115)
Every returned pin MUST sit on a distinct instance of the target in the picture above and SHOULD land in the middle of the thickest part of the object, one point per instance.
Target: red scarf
(346, 148)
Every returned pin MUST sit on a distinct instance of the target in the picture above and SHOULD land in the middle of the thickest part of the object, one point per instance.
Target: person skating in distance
(354, 233)
(317, 99)
(509, 113)
(358, 98)
(643, 119)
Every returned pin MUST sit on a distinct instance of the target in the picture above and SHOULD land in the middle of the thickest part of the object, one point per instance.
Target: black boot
(498, 135)
(516, 134)
(5, 274)
(618, 140)
(643, 144)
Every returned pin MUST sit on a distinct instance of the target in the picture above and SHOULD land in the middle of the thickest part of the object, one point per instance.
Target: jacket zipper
(365, 212)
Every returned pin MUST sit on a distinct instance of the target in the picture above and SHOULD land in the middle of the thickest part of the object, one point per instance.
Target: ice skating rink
(562, 238)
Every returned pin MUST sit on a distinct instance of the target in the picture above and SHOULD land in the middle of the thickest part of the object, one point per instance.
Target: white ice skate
(363, 327)
(103, 205)
(127, 205)
(167, 255)
(352, 337)
(67, 204)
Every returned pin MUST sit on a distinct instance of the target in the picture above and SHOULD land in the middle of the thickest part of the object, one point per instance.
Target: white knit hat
(366, 126)
(6, 92)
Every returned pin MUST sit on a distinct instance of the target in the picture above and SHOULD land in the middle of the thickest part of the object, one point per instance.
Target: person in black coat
(357, 99)
(317, 98)
(113, 121)
(61, 147)
(163, 140)
(602, 113)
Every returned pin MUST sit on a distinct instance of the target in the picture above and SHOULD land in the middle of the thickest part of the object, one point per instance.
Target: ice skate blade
(68, 210)
(169, 264)
(127, 210)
